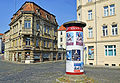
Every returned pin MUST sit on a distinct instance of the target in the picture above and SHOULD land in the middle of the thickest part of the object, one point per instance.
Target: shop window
(91, 52)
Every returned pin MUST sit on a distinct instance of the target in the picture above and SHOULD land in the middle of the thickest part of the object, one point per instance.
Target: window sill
(90, 59)
(109, 16)
(90, 20)
(104, 36)
(114, 35)
(109, 56)
(90, 38)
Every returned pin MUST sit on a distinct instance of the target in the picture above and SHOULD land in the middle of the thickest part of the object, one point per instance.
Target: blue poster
(69, 55)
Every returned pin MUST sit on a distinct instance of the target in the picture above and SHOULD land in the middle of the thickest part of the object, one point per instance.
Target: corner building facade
(32, 35)
(102, 33)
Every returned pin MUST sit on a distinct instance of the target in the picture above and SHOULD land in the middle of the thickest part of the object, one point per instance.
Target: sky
(64, 10)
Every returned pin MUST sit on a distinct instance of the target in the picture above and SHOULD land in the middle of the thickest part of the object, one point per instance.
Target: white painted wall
(63, 36)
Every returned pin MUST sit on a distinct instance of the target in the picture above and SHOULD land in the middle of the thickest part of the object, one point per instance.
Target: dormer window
(37, 10)
(47, 17)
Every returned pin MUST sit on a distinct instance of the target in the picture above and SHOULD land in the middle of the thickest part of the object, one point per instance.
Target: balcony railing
(26, 31)
(27, 47)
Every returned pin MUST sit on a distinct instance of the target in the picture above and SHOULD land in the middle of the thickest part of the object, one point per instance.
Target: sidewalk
(100, 66)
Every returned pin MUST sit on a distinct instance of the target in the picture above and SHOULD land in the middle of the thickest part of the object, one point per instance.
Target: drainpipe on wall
(96, 30)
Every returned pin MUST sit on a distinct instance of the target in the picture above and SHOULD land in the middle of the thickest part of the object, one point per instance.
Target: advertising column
(74, 49)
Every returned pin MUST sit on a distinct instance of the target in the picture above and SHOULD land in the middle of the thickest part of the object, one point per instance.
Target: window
(27, 41)
(37, 42)
(27, 24)
(37, 26)
(112, 9)
(90, 15)
(110, 50)
(27, 55)
(105, 31)
(47, 17)
(106, 11)
(79, 16)
(60, 39)
(61, 33)
(45, 29)
(61, 46)
(53, 44)
(90, 30)
(90, 52)
(89, 0)
(114, 30)
(20, 25)
(48, 30)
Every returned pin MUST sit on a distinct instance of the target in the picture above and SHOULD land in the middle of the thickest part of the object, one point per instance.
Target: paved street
(48, 72)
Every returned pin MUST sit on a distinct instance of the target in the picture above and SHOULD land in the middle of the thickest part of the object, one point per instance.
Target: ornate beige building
(32, 36)
(102, 33)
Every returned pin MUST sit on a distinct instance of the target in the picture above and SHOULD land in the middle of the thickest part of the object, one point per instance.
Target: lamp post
(74, 47)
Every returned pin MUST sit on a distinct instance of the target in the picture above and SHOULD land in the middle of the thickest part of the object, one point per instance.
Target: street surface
(47, 73)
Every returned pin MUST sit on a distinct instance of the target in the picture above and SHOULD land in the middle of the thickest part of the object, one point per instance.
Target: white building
(62, 37)
(62, 41)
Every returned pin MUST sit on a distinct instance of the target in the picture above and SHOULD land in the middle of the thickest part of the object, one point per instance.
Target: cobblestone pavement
(49, 71)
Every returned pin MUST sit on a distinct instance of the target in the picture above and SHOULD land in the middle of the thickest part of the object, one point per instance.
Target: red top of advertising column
(74, 23)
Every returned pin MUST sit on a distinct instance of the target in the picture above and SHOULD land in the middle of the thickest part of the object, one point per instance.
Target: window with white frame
(112, 9)
(105, 30)
(44, 29)
(27, 41)
(20, 25)
(27, 24)
(110, 50)
(114, 29)
(105, 10)
(47, 43)
(60, 39)
(90, 32)
(90, 15)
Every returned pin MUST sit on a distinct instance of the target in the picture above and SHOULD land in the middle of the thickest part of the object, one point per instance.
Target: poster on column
(79, 38)
(69, 55)
(76, 55)
(69, 39)
(78, 66)
(73, 61)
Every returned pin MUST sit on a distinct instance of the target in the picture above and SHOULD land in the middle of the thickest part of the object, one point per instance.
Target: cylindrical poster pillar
(74, 47)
